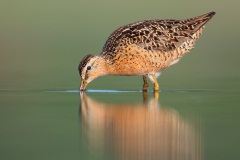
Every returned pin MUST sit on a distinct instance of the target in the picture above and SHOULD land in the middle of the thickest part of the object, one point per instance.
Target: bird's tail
(196, 23)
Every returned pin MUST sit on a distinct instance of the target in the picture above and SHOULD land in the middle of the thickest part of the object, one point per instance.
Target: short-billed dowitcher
(143, 48)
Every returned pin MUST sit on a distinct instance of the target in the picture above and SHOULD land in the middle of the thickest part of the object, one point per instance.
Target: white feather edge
(158, 74)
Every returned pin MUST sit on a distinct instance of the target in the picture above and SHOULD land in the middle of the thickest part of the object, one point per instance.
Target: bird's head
(90, 68)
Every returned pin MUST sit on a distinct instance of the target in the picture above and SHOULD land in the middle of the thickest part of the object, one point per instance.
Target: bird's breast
(134, 60)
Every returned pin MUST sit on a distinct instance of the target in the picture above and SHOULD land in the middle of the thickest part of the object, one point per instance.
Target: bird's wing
(155, 35)
(160, 35)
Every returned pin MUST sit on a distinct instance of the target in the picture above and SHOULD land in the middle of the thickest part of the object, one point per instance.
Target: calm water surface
(172, 124)
(41, 45)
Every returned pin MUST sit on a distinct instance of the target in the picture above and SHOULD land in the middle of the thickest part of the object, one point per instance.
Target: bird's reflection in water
(142, 131)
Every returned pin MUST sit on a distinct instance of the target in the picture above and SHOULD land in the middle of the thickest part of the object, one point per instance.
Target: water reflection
(139, 131)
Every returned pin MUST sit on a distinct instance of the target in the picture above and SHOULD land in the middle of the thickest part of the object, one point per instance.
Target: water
(176, 124)
(42, 116)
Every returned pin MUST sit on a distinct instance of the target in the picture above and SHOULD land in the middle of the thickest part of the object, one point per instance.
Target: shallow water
(195, 116)
(113, 124)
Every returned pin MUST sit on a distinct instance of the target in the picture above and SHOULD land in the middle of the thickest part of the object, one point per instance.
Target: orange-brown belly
(134, 60)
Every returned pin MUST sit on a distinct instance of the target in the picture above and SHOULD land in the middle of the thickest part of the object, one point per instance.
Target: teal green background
(43, 41)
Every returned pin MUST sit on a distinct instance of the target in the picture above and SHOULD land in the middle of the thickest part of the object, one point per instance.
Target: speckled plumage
(146, 47)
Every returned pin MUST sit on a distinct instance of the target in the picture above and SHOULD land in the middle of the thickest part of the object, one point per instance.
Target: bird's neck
(102, 66)
(108, 65)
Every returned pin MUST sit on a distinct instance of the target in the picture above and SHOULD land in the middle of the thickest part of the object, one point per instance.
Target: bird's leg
(145, 83)
(153, 78)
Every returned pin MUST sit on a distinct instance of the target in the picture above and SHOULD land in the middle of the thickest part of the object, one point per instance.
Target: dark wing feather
(120, 34)
(160, 35)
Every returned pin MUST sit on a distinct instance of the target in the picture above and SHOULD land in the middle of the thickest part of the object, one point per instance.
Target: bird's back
(152, 45)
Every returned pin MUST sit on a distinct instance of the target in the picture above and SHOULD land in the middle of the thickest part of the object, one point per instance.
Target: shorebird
(143, 48)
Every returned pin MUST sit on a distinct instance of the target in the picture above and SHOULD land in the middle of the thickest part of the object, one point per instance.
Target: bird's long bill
(84, 84)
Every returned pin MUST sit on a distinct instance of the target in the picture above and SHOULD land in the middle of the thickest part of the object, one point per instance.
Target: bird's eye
(88, 67)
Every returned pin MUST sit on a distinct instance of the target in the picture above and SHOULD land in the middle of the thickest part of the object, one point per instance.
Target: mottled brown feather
(155, 35)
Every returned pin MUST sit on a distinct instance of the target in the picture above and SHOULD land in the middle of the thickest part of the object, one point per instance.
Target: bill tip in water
(83, 85)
